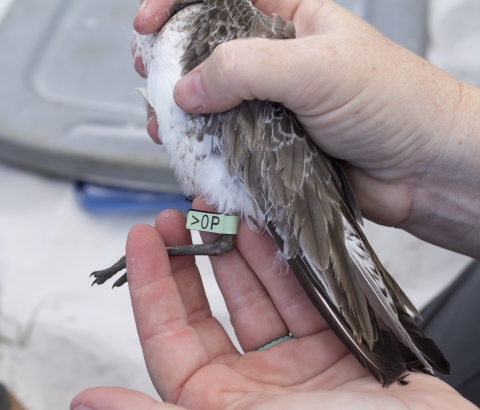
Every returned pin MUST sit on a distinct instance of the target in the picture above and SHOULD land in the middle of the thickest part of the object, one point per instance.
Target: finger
(151, 15)
(139, 66)
(291, 301)
(374, 196)
(152, 125)
(252, 312)
(137, 60)
(116, 398)
(171, 226)
(172, 349)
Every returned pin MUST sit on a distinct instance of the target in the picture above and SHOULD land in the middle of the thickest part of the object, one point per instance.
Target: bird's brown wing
(310, 212)
(297, 189)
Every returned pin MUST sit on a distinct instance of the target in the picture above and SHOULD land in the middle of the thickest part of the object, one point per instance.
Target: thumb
(245, 69)
(117, 398)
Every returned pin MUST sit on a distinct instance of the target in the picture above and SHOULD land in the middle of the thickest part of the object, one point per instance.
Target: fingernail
(139, 67)
(150, 114)
(189, 92)
(152, 126)
(142, 8)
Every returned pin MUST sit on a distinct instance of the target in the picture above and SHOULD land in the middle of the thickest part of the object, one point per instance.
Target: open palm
(194, 364)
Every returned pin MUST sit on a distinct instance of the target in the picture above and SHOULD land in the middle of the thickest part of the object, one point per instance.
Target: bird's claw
(101, 276)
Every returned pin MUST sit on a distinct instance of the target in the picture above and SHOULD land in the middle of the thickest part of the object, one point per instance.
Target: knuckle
(226, 60)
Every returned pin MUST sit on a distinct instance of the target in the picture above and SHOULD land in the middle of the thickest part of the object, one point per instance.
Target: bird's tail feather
(384, 361)
(426, 346)
(389, 359)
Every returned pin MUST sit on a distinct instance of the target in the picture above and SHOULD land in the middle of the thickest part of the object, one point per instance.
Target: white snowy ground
(85, 336)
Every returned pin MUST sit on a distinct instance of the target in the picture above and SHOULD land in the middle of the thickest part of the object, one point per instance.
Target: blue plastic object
(99, 198)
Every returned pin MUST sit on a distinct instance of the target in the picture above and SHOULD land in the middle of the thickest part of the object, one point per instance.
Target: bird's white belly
(197, 170)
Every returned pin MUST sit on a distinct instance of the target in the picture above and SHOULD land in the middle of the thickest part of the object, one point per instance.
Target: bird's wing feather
(348, 194)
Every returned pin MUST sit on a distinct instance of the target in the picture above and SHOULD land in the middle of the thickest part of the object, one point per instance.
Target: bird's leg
(222, 245)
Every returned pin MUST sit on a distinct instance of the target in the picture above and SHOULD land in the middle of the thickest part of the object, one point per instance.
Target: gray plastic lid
(68, 105)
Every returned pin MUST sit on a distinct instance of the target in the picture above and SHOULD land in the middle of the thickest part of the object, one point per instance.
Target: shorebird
(257, 162)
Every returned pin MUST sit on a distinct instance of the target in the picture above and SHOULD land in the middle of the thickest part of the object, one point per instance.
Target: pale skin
(409, 134)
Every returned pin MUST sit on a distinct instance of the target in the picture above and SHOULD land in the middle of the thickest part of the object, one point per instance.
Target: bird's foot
(101, 276)
(222, 245)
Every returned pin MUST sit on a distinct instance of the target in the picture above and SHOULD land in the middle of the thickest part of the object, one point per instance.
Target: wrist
(445, 208)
